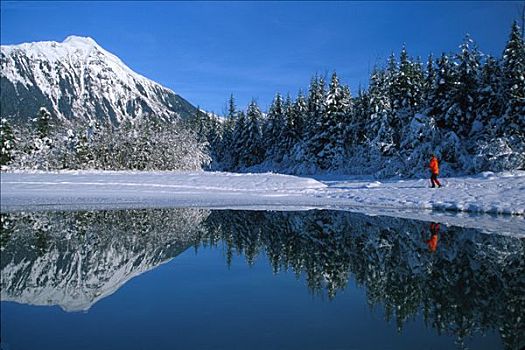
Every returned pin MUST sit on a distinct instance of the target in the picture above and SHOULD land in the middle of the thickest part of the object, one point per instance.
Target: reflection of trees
(74, 259)
(473, 283)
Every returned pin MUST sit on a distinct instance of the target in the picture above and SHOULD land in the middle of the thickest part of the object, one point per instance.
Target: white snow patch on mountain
(77, 78)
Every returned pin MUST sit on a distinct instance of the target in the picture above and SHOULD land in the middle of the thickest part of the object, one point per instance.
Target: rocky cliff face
(79, 79)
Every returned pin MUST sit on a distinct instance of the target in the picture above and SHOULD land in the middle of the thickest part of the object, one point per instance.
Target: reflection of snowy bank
(465, 281)
(74, 259)
(502, 193)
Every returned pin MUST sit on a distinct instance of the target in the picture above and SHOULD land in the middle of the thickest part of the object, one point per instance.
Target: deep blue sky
(206, 50)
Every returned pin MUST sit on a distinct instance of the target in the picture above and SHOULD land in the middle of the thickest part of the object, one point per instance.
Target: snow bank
(492, 193)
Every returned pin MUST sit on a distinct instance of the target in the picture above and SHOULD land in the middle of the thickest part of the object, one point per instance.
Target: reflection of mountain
(74, 259)
(471, 283)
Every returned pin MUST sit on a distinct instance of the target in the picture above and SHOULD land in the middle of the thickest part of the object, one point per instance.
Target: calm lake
(230, 279)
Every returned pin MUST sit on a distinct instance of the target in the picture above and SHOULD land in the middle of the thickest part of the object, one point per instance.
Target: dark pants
(434, 180)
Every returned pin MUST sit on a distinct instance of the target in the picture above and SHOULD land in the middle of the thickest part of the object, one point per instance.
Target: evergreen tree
(417, 77)
(239, 137)
(337, 110)
(461, 114)
(348, 102)
(441, 94)
(429, 84)
(232, 109)
(513, 122)
(43, 123)
(379, 127)
(83, 152)
(391, 79)
(249, 139)
(489, 98)
(299, 118)
(356, 130)
(407, 84)
(42, 142)
(289, 136)
(317, 135)
(402, 92)
(226, 154)
(7, 142)
(273, 129)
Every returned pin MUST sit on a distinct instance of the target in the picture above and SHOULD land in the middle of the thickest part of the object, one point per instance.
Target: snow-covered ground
(462, 201)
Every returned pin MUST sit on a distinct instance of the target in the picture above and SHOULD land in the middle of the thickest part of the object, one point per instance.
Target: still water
(210, 279)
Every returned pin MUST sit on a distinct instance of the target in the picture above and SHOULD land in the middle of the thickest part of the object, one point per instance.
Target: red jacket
(434, 166)
(433, 243)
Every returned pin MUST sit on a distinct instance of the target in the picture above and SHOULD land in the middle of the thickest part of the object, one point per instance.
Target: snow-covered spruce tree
(440, 97)
(272, 131)
(226, 146)
(391, 79)
(356, 128)
(299, 117)
(83, 152)
(43, 123)
(7, 142)
(379, 127)
(36, 147)
(406, 93)
(417, 77)
(502, 144)
(513, 122)
(316, 109)
(253, 152)
(397, 90)
(239, 137)
(214, 139)
(348, 102)
(146, 142)
(101, 145)
(489, 100)
(289, 136)
(403, 95)
(67, 150)
(462, 113)
(429, 84)
(338, 106)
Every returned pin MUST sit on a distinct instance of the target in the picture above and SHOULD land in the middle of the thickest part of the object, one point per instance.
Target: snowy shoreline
(463, 200)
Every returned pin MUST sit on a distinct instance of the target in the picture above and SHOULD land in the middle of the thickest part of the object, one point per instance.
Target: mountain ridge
(78, 79)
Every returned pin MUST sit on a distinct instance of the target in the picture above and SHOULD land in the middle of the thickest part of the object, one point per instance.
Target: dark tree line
(467, 107)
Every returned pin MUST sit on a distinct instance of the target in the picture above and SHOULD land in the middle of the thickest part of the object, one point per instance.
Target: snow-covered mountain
(79, 79)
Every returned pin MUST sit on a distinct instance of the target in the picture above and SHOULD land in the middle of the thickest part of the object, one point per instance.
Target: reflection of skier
(434, 169)
(433, 241)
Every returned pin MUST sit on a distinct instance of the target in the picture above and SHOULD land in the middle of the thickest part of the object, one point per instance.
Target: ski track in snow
(462, 200)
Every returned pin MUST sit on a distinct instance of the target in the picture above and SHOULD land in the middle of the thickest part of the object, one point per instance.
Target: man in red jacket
(434, 169)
